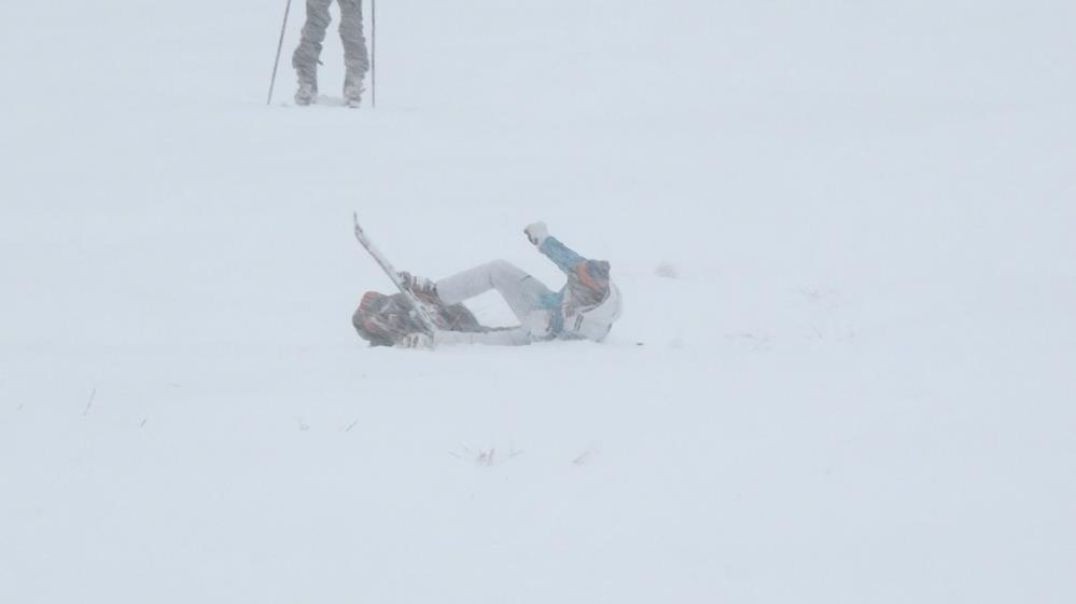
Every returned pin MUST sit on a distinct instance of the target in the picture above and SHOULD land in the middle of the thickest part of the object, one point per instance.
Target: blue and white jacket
(588, 304)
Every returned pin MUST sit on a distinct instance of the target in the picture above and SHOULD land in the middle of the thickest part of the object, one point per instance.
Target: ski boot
(353, 89)
(307, 94)
(353, 96)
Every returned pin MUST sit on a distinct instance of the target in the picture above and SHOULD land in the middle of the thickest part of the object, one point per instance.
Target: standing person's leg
(356, 59)
(523, 293)
(305, 58)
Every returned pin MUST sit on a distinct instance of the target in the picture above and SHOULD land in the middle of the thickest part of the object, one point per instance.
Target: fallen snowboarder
(584, 309)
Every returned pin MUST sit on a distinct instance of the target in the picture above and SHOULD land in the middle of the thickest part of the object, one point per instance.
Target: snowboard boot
(423, 288)
(450, 318)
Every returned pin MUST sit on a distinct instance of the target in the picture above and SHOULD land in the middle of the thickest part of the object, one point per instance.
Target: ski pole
(373, 53)
(279, 46)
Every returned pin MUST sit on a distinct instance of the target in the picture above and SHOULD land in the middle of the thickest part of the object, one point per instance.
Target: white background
(856, 388)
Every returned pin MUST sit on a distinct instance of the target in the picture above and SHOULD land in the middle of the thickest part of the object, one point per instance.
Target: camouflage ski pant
(305, 58)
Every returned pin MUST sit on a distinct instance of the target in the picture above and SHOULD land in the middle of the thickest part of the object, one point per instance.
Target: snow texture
(857, 388)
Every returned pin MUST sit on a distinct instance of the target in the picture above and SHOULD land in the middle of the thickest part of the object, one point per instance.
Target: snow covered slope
(842, 230)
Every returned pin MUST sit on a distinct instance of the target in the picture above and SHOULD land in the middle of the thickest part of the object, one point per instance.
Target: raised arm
(561, 255)
(588, 280)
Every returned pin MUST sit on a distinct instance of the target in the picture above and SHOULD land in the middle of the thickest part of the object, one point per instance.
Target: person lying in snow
(584, 309)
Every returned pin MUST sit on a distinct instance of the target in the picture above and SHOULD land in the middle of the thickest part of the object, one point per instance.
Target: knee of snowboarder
(502, 268)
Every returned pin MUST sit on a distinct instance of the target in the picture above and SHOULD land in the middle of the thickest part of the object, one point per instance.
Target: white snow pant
(305, 58)
(525, 295)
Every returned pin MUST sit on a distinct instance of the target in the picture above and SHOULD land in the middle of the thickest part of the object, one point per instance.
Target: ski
(422, 314)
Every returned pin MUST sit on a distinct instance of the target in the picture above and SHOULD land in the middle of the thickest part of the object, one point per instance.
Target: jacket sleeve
(561, 255)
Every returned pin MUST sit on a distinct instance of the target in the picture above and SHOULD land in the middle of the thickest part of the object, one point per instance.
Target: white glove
(537, 233)
(539, 323)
